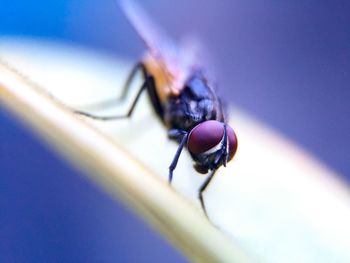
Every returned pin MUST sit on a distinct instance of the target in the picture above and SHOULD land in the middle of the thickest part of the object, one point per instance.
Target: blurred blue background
(286, 62)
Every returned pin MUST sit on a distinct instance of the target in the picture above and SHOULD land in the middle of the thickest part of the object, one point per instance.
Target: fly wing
(197, 58)
(191, 52)
(155, 39)
(162, 49)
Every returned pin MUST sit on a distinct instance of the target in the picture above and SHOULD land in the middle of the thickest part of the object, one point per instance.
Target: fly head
(211, 144)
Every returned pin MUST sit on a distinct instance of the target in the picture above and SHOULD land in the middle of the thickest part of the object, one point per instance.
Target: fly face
(211, 144)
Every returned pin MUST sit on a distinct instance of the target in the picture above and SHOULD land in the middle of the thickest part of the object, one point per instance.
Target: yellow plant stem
(118, 172)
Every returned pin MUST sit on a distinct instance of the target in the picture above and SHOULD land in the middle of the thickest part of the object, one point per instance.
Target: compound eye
(205, 136)
(232, 142)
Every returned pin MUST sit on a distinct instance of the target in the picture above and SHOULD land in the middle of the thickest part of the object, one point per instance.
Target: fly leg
(224, 147)
(202, 189)
(126, 87)
(149, 83)
(139, 66)
(181, 136)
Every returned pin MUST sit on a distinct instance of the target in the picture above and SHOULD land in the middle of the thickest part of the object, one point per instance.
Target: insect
(182, 98)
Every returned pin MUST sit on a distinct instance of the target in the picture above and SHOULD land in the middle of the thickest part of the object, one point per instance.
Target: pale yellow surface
(273, 199)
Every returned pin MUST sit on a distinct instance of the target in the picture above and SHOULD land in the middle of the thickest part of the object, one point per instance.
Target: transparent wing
(175, 62)
(156, 40)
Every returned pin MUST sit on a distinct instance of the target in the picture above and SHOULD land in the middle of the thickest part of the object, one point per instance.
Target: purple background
(286, 62)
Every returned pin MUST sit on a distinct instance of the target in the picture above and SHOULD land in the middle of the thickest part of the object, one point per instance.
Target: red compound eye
(208, 134)
(205, 136)
(232, 142)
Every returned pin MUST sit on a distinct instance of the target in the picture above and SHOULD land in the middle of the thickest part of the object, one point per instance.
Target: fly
(182, 98)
